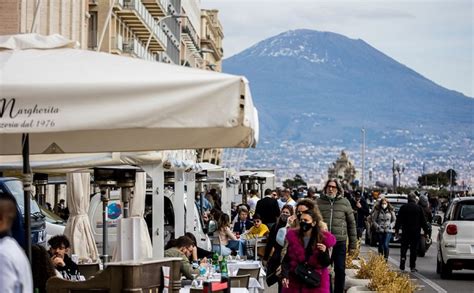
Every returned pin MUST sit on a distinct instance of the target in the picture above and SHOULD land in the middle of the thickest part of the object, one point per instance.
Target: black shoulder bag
(306, 274)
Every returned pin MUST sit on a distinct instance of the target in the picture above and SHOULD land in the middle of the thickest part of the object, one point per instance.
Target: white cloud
(434, 38)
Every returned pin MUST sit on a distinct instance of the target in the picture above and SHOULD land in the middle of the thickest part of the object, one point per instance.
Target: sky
(435, 38)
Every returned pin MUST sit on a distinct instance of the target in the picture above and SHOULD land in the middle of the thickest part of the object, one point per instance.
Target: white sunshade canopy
(77, 101)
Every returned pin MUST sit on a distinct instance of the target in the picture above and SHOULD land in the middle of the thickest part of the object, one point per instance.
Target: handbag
(307, 275)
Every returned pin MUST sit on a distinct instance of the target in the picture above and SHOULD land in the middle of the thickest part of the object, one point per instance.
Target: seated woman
(182, 247)
(227, 238)
(42, 268)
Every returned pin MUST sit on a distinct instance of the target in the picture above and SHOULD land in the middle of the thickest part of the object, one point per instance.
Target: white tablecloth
(254, 285)
(186, 289)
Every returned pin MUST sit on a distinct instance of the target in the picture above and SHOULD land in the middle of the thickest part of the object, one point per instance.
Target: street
(428, 279)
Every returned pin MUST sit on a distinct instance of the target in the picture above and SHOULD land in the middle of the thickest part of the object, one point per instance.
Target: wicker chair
(241, 281)
(254, 273)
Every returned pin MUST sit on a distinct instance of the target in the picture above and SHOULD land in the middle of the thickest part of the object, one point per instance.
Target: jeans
(338, 258)
(236, 245)
(412, 242)
(384, 241)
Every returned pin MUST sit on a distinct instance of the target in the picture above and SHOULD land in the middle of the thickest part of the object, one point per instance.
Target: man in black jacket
(59, 249)
(411, 220)
(268, 209)
(361, 211)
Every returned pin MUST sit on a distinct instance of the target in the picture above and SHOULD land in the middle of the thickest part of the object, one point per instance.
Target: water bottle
(224, 270)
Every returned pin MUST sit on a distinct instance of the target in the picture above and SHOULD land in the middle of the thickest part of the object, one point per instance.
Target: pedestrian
(411, 220)
(252, 201)
(337, 213)
(61, 210)
(384, 219)
(272, 255)
(58, 252)
(307, 253)
(15, 270)
(361, 211)
(268, 209)
(425, 206)
(285, 198)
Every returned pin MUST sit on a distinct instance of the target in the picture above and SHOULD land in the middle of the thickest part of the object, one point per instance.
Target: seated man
(59, 249)
(243, 224)
(258, 229)
(182, 247)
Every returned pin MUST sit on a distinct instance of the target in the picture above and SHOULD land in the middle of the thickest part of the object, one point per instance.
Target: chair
(140, 276)
(240, 281)
(254, 273)
(88, 270)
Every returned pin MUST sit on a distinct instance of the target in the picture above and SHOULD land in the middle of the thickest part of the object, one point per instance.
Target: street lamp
(157, 23)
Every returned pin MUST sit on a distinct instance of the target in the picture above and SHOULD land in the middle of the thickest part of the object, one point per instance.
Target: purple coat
(296, 254)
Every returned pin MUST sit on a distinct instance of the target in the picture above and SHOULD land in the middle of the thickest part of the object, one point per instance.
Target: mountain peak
(294, 44)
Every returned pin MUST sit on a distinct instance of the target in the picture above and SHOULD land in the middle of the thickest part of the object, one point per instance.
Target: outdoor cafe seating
(142, 276)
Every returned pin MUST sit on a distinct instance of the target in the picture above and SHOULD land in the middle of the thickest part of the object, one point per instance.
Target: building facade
(67, 18)
(170, 31)
(212, 54)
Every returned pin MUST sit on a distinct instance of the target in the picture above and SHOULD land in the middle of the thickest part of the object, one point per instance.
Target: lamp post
(394, 174)
(400, 169)
(159, 22)
(363, 160)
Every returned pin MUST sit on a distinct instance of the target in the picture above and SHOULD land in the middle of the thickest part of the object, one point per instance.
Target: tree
(434, 179)
(296, 182)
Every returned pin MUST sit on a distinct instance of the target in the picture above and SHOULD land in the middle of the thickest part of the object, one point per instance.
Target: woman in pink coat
(307, 244)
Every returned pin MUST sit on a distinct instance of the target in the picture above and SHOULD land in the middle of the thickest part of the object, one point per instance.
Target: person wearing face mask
(183, 248)
(338, 214)
(307, 244)
(286, 198)
(272, 256)
(384, 222)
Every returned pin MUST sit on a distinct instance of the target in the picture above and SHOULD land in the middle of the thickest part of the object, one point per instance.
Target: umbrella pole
(27, 180)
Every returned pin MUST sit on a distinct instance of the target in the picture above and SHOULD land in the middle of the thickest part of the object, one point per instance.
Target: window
(466, 212)
(92, 30)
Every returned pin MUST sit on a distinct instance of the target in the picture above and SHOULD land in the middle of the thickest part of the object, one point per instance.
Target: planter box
(356, 289)
(351, 282)
(351, 273)
(356, 263)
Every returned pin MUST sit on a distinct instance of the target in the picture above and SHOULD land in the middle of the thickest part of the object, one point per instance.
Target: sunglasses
(332, 186)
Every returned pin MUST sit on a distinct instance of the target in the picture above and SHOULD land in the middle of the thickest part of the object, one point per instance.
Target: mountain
(322, 88)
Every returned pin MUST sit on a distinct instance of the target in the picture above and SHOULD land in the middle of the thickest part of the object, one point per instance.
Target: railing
(147, 18)
(117, 42)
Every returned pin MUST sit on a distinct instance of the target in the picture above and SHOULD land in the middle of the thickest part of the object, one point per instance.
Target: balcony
(211, 43)
(157, 8)
(136, 16)
(189, 36)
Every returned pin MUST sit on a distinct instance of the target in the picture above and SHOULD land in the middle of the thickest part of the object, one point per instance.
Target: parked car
(456, 238)
(13, 187)
(55, 225)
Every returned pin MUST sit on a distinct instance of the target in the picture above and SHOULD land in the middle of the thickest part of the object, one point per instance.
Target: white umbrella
(77, 101)
(78, 228)
(74, 101)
